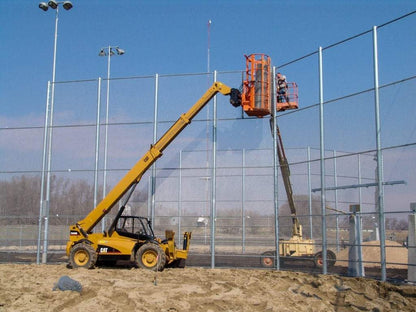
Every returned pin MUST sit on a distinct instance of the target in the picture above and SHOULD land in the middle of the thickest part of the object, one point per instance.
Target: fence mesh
(244, 195)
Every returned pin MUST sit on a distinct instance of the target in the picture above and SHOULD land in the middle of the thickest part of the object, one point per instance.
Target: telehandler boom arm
(86, 225)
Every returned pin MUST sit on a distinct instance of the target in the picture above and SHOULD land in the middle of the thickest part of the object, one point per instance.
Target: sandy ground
(29, 288)
(396, 255)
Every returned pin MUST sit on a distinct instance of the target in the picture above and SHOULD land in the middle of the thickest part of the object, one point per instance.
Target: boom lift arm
(285, 170)
(135, 174)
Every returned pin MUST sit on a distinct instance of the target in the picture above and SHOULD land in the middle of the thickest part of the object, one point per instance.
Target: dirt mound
(396, 255)
(29, 287)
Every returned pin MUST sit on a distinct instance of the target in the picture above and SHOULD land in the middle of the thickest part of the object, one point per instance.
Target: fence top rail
(348, 39)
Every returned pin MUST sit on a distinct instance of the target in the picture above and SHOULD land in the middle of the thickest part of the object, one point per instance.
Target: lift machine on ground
(130, 237)
(257, 96)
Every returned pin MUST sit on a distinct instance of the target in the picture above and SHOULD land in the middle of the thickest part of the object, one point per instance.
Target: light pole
(47, 143)
(109, 52)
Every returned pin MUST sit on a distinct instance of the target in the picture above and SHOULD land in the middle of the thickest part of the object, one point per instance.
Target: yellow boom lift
(256, 101)
(130, 237)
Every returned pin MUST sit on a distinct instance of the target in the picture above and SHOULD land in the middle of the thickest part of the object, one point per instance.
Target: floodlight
(53, 4)
(67, 5)
(43, 6)
(120, 51)
(102, 53)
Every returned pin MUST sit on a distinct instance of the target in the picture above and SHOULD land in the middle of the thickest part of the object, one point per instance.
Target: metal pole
(214, 177)
(207, 126)
(243, 198)
(97, 144)
(275, 170)
(360, 243)
(107, 106)
(380, 178)
(322, 162)
(359, 180)
(149, 196)
(310, 194)
(48, 177)
(180, 195)
(42, 183)
(336, 199)
(411, 245)
(153, 185)
(209, 45)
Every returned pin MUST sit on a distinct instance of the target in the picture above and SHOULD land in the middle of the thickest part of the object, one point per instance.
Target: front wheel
(82, 255)
(267, 259)
(150, 256)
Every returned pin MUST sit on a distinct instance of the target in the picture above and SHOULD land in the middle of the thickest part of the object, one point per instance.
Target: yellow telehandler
(130, 237)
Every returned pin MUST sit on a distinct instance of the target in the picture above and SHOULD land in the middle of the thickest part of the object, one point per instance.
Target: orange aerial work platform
(256, 98)
(256, 95)
(288, 100)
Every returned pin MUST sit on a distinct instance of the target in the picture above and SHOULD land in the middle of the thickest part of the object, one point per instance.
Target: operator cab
(134, 227)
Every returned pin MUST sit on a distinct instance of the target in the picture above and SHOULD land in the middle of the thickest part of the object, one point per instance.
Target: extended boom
(138, 241)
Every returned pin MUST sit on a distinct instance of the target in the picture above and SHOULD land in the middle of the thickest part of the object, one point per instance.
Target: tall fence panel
(95, 140)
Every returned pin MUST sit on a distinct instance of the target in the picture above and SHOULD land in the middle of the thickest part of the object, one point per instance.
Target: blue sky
(165, 37)
(171, 37)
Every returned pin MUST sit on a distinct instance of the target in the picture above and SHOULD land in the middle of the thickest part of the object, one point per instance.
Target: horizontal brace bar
(358, 186)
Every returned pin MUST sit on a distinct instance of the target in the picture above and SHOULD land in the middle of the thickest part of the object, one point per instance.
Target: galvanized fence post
(42, 182)
(275, 171)
(310, 193)
(153, 178)
(243, 208)
(411, 245)
(97, 145)
(380, 178)
(322, 162)
(214, 175)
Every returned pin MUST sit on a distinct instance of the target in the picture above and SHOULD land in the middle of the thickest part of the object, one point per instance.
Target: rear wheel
(82, 255)
(150, 256)
(267, 259)
(330, 256)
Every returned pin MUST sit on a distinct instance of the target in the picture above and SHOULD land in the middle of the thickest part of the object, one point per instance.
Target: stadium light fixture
(119, 51)
(67, 5)
(43, 6)
(53, 4)
(46, 166)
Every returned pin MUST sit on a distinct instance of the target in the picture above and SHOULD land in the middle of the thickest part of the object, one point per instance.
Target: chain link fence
(360, 105)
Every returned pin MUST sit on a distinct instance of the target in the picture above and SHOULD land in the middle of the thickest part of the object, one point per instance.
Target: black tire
(82, 255)
(318, 260)
(331, 258)
(267, 259)
(178, 263)
(150, 256)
